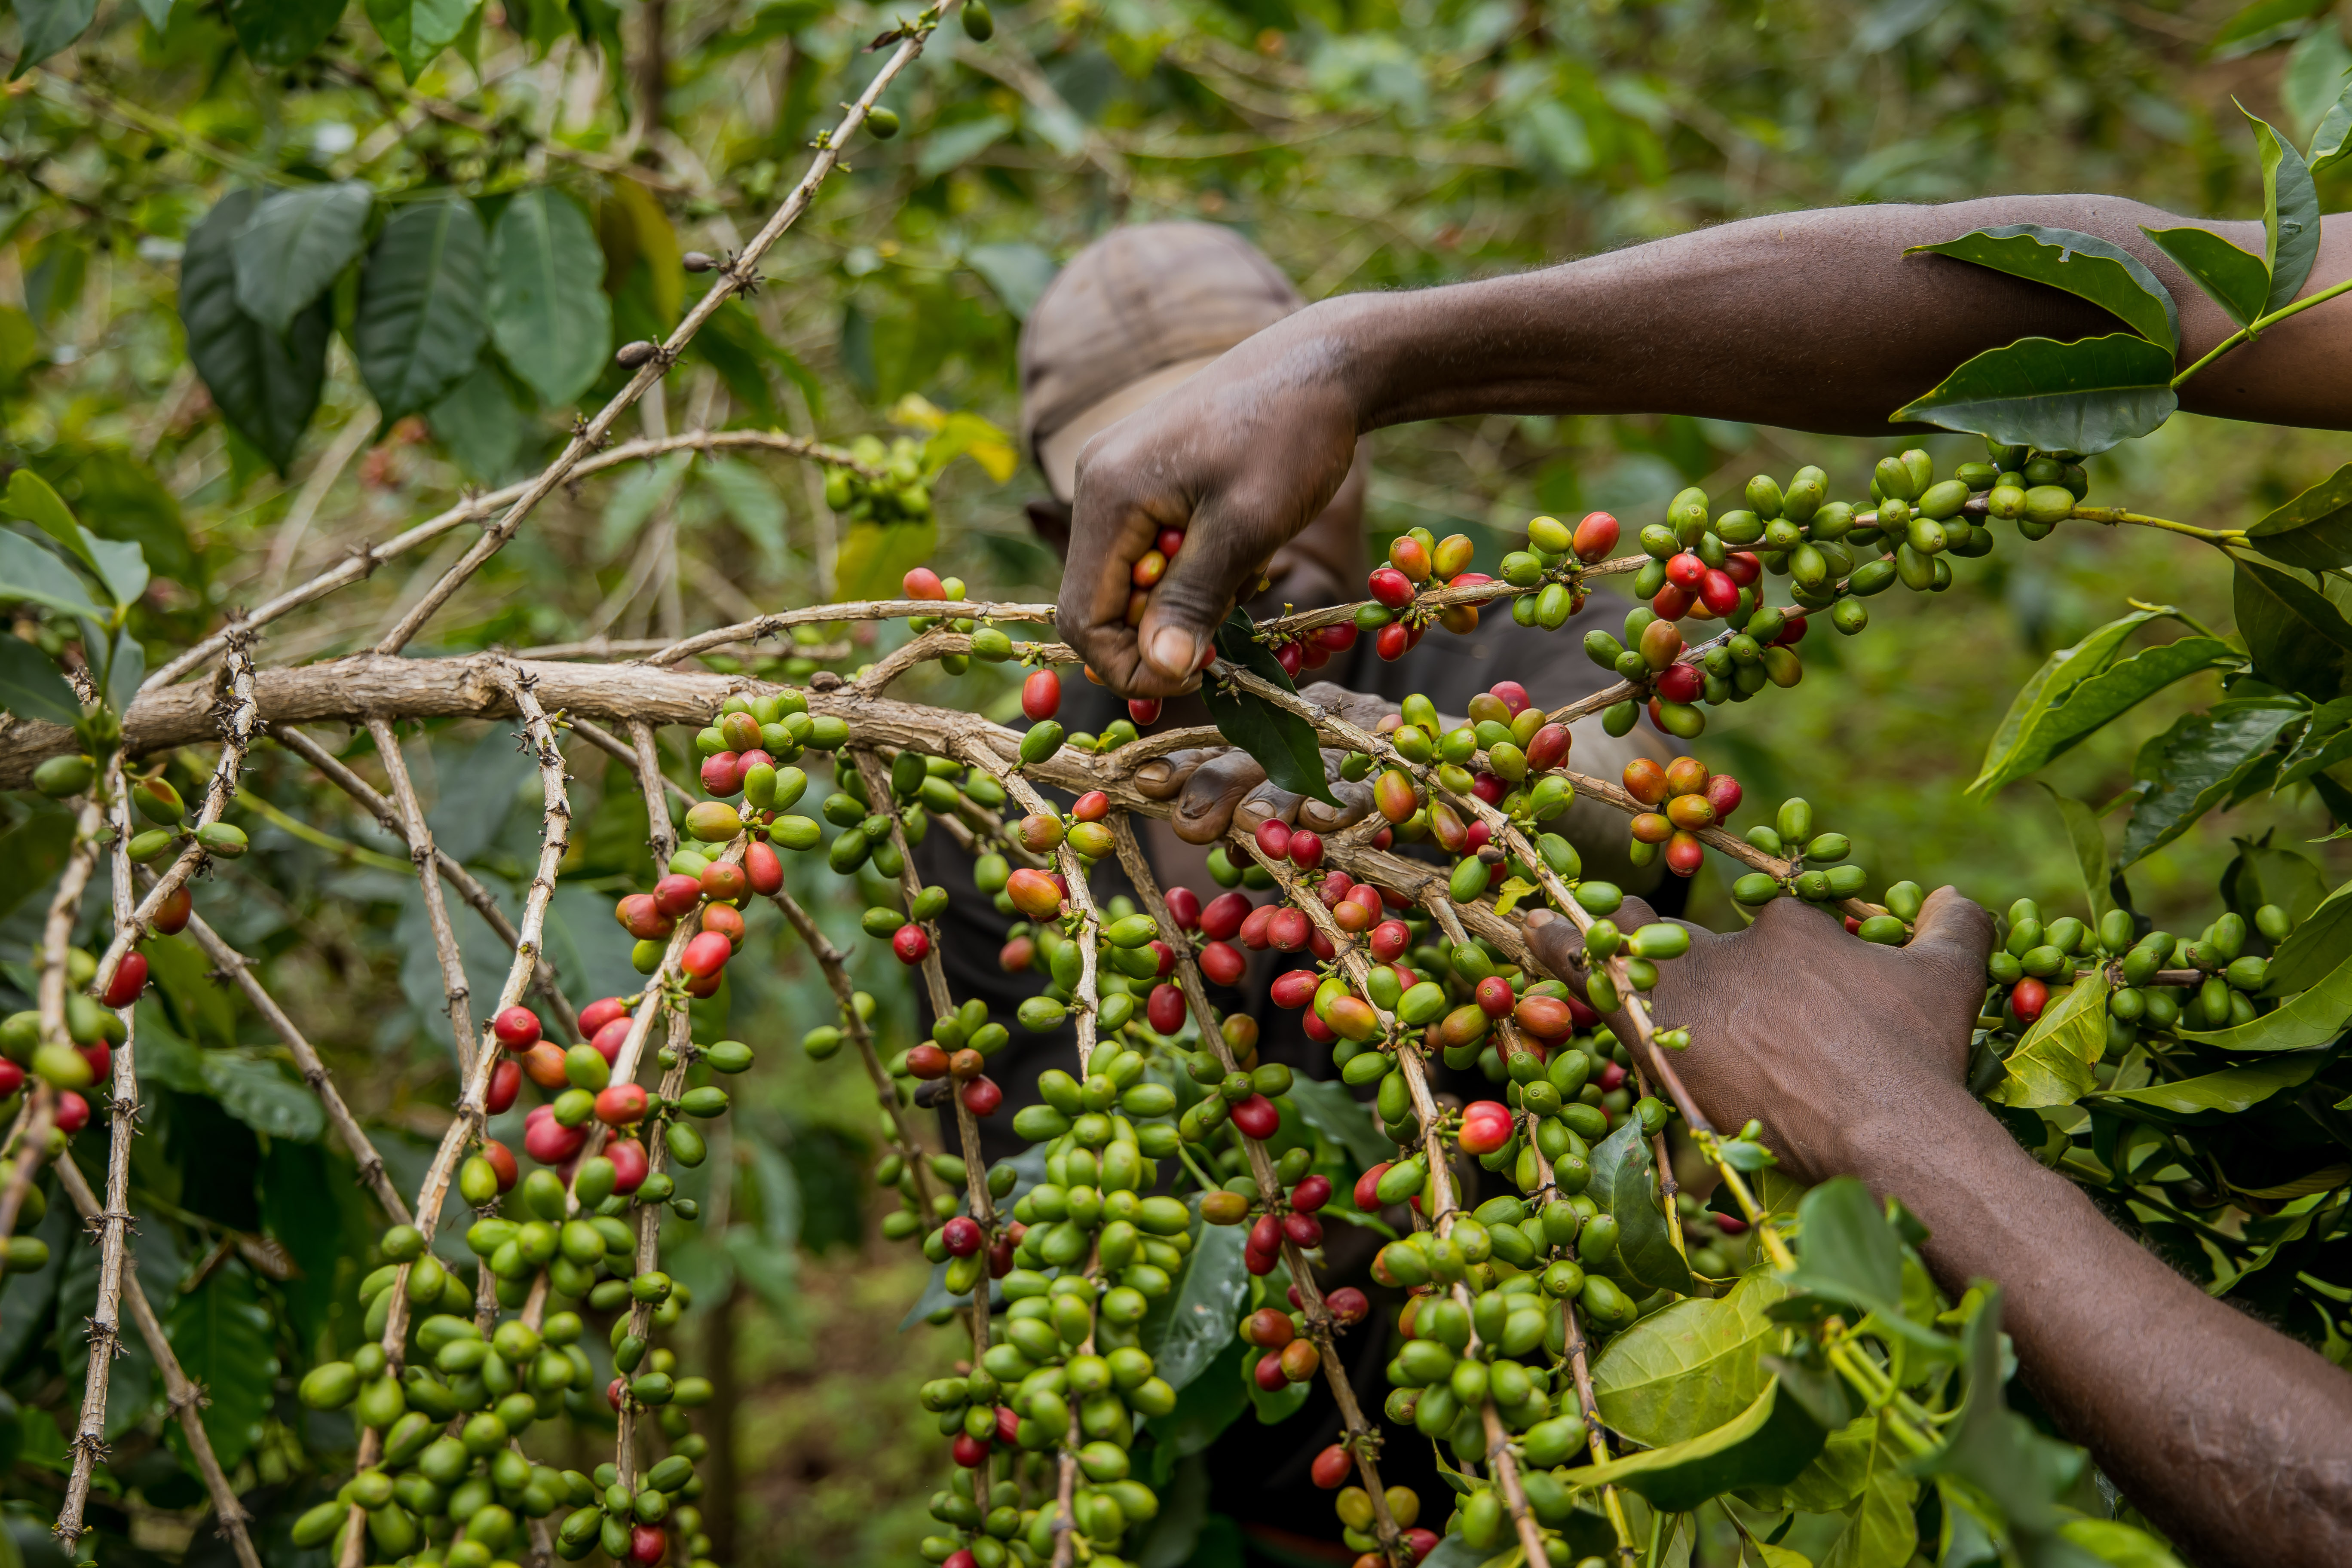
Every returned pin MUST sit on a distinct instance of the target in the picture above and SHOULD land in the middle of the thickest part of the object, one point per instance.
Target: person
(2233, 1439)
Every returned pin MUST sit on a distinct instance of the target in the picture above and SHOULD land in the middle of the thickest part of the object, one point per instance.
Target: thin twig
(663, 837)
(419, 835)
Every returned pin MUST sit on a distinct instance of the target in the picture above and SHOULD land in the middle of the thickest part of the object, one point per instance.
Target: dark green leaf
(2298, 626)
(2194, 766)
(30, 573)
(2057, 728)
(2313, 531)
(1188, 1328)
(2236, 281)
(31, 686)
(1284, 743)
(1690, 1368)
(1845, 1249)
(222, 1336)
(548, 309)
(282, 32)
(2089, 842)
(2311, 1017)
(290, 251)
(29, 497)
(266, 388)
(34, 850)
(1767, 1445)
(1623, 1186)
(2333, 140)
(127, 671)
(2319, 943)
(478, 421)
(2290, 216)
(2261, 22)
(419, 325)
(46, 26)
(2050, 685)
(257, 1094)
(1212, 1402)
(1331, 1110)
(2083, 397)
(2082, 264)
(2229, 1091)
(418, 30)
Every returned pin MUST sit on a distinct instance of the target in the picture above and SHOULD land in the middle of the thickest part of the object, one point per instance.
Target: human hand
(1216, 788)
(1835, 1044)
(1242, 458)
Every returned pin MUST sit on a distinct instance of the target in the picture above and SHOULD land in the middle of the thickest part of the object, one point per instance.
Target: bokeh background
(1368, 145)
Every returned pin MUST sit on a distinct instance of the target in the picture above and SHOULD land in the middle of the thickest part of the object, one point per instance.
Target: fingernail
(1540, 918)
(1174, 651)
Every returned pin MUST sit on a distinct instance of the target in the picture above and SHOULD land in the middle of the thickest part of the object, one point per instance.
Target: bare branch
(436, 913)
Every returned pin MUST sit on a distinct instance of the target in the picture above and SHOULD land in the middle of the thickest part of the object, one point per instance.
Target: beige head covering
(1131, 315)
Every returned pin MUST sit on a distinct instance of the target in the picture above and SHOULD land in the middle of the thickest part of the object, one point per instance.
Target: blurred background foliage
(1364, 145)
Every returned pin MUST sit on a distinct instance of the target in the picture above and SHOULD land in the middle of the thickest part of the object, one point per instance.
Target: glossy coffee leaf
(2290, 214)
(549, 314)
(2238, 282)
(419, 323)
(2313, 531)
(2082, 264)
(266, 386)
(2203, 760)
(1690, 1368)
(1623, 1184)
(2083, 397)
(291, 249)
(1284, 743)
(1768, 1444)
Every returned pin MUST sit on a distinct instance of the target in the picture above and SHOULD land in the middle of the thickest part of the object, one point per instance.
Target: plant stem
(2255, 329)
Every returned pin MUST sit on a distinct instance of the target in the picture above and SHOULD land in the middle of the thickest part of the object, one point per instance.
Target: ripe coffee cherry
(130, 979)
(725, 884)
(543, 1064)
(1303, 1229)
(1257, 1117)
(1222, 918)
(1367, 1195)
(706, 955)
(1685, 853)
(1679, 683)
(646, 1544)
(912, 943)
(1164, 1009)
(1672, 604)
(1485, 1126)
(1719, 592)
(927, 1061)
(1390, 939)
(72, 1113)
(961, 1236)
(629, 1163)
(1184, 907)
(1016, 955)
(1723, 794)
(1222, 963)
(1268, 1327)
(642, 918)
(515, 1028)
(172, 914)
(981, 1096)
(1268, 1371)
(1252, 928)
(722, 775)
(763, 870)
(501, 1160)
(1306, 849)
(12, 1079)
(1332, 1467)
(1393, 641)
(100, 1059)
(1645, 781)
(1293, 989)
(1494, 997)
(1596, 536)
(1034, 893)
(1546, 1017)
(1312, 1192)
(1685, 570)
(598, 1013)
(922, 582)
(619, 1104)
(506, 1083)
(547, 1140)
(1274, 837)
(2027, 998)
(1041, 696)
(1347, 1306)
(609, 1039)
(1091, 806)
(1289, 930)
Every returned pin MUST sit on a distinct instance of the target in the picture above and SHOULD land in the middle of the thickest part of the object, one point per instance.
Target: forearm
(1815, 321)
(2231, 1437)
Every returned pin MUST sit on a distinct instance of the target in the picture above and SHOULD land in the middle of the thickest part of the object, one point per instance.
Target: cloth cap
(1131, 315)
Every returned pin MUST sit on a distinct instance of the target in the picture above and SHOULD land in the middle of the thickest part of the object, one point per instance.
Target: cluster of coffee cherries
(155, 798)
(94, 1026)
(902, 495)
(2158, 982)
(1679, 678)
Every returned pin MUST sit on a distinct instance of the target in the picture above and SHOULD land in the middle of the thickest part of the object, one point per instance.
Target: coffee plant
(1604, 1363)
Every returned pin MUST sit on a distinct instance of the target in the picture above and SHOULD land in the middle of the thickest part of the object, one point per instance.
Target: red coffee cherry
(172, 914)
(629, 1163)
(1222, 917)
(547, 1140)
(1685, 853)
(722, 775)
(1303, 1229)
(1041, 696)
(1274, 838)
(1268, 1327)
(981, 1096)
(763, 869)
(506, 1083)
(922, 582)
(609, 1039)
(1347, 1306)
(1254, 924)
(1169, 541)
(1393, 641)
(619, 1104)
(1256, 1117)
(1164, 1009)
(1313, 1191)
(1390, 939)
(727, 920)
(1184, 907)
(2027, 998)
(1306, 849)
(1016, 955)
(1289, 930)
(912, 943)
(130, 980)
(502, 1161)
(1143, 711)
(1332, 1467)
(72, 1113)
(598, 1013)
(961, 1236)
(543, 1064)
(1494, 997)
(927, 1061)
(706, 954)
(1367, 1195)
(1679, 683)
(1293, 988)
(515, 1028)
(1485, 1126)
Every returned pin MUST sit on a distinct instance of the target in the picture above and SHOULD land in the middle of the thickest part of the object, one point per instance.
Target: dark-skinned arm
(2235, 1440)
(1812, 320)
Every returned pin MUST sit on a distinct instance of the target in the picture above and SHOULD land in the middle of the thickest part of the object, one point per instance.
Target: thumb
(1559, 945)
(1212, 571)
(1954, 929)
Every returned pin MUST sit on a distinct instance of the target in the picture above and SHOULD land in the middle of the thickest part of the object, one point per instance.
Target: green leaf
(2295, 624)
(1881, 1532)
(1995, 1449)
(35, 851)
(2263, 22)
(2313, 531)
(267, 388)
(2199, 764)
(2083, 397)
(257, 1094)
(127, 671)
(1845, 1249)
(1325, 1105)
(1768, 1444)
(290, 250)
(2082, 264)
(2049, 686)
(2311, 1017)
(2290, 214)
(1690, 1368)
(30, 498)
(2333, 140)
(46, 27)
(20, 347)
(30, 685)
(1188, 1328)
(222, 1336)
(2238, 282)
(874, 559)
(547, 311)
(2117, 1544)
(415, 31)
(1623, 1186)
(2089, 841)
(419, 325)
(1015, 271)
(2229, 1091)
(121, 564)
(30, 573)
(282, 32)
(1284, 743)
(2052, 1064)
(2054, 729)
(2319, 943)
(478, 421)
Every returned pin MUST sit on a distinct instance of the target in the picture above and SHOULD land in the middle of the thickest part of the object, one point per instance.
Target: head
(1134, 315)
